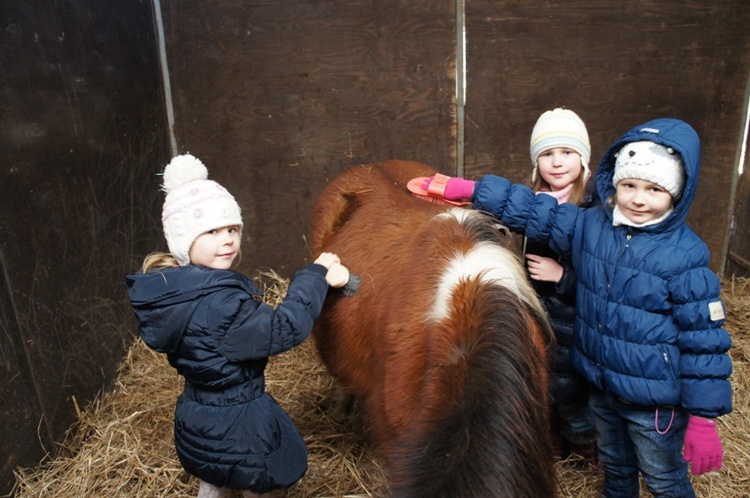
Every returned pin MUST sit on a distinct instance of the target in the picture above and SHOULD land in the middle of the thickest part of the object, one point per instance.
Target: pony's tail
(337, 203)
(485, 402)
(332, 209)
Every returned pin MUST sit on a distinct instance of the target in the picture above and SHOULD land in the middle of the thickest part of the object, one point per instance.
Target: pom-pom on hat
(560, 128)
(646, 160)
(193, 205)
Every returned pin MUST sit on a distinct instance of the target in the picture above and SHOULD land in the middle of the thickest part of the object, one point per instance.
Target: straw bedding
(121, 445)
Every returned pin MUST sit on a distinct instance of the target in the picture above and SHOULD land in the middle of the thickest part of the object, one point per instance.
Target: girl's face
(642, 201)
(216, 249)
(559, 167)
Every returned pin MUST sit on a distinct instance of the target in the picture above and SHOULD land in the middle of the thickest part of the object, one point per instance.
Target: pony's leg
(343, 401)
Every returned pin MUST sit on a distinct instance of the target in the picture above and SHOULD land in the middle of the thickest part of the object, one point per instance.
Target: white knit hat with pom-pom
(193, 205)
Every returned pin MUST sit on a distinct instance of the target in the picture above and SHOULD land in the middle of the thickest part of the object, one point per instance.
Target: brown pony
(444, 342)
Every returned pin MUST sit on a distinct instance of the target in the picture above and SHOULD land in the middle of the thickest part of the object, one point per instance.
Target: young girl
(649, 334)
(560, 155)
(217, 333)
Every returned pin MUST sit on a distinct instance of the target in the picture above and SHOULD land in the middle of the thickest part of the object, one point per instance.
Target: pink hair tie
(656, 422)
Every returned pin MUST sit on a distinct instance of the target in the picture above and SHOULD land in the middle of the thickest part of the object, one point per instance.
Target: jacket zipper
(609, 291)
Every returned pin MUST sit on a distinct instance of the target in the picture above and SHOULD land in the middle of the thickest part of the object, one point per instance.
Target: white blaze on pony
(486, 261)
(445, 342)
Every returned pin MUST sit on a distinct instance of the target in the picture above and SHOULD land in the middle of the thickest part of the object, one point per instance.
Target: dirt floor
(122, 443)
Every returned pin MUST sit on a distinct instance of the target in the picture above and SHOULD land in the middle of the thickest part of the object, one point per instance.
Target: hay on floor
(122, 445)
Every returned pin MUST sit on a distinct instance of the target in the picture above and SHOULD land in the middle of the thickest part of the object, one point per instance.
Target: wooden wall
(738, 250)
(278, 97)
(81, 124)
(617, 64)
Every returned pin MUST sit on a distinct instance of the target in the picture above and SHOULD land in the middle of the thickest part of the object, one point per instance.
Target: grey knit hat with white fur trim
(646, 160)
(193, 205)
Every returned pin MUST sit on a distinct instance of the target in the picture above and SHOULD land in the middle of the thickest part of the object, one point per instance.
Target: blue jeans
(630, 441)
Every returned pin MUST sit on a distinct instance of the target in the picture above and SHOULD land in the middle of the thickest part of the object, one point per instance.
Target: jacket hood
(164, 301)
(673, 133)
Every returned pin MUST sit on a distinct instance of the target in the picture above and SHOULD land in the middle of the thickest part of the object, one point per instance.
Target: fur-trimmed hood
(673, 133)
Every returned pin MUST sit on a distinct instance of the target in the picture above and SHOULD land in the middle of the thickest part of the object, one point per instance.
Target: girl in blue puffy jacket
(649, 331)
(217, 333)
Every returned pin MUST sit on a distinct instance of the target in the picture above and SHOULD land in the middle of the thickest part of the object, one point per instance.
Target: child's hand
(327, 259)
(702, 446)
(337, 276)
(544, 269)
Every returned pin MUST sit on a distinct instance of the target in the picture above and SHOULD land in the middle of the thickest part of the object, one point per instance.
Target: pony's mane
(489, 257)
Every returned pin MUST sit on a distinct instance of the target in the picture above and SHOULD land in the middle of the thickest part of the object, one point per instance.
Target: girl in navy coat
(209, 320)
(649, 335)
(560, 153)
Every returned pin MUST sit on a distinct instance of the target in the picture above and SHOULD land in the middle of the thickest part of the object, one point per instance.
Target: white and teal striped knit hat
(560, 128)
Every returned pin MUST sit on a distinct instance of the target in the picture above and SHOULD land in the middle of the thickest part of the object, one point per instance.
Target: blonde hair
(159, 260)
(577, 193)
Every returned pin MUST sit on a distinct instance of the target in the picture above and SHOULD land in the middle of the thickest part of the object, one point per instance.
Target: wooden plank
(617, 65)
(738, 252)
(279, 97)
(81, 116)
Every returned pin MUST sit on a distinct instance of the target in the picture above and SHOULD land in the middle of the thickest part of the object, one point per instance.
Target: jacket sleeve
(257, 330)
(539, 217)
(566, 287)
(705, 366)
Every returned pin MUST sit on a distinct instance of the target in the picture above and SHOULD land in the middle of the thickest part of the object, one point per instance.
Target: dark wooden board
(617, 64)
(81, 115)
(279, 97)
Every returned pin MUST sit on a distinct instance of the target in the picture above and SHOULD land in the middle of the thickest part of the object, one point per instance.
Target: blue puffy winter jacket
(649, 318)
(218, 335)
(568, 388)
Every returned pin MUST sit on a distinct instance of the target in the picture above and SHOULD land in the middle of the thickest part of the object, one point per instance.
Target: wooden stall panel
(738, 250)
(617, 64)
(80, 115)
(278, 97)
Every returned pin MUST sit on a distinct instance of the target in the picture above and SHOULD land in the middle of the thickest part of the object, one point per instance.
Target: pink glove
(456, 189)
(702, 445)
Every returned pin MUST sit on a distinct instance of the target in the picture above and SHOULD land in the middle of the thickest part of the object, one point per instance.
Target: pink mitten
(702, 445)
(456, 189)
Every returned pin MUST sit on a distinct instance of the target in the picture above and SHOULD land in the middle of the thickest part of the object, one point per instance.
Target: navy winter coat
(567, 386)
(218, 335)
(649, 318)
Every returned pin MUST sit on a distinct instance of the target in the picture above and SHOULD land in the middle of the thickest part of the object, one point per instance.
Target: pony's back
(445, 341)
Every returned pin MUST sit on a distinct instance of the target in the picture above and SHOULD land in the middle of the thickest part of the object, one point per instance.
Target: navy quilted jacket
(218, 335)
(649, 318)
(567, 387)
